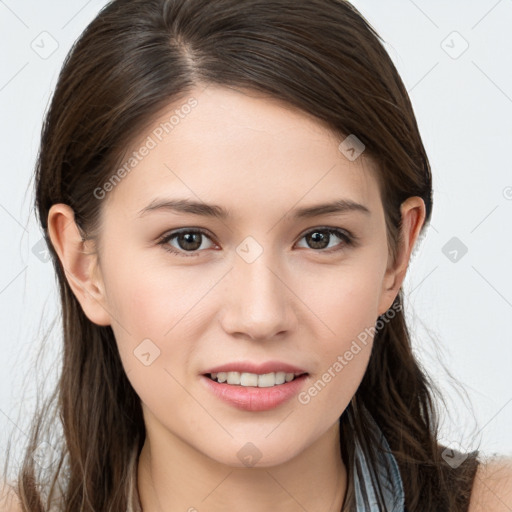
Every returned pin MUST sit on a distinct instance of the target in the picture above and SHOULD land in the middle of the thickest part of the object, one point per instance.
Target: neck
(173, 476)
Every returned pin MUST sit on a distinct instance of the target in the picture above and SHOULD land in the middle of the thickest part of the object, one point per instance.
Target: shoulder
(9, 501)
(492, 487)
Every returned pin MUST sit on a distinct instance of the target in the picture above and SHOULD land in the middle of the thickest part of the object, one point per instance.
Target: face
(262, 288)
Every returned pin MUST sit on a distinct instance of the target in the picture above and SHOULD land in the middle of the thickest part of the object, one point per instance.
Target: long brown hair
(135, 58)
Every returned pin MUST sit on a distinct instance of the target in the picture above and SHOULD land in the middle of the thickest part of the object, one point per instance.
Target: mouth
(254, 392)
(246, 379)
(255, 387)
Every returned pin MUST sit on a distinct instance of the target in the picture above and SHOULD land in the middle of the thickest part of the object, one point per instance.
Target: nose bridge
(257, 302)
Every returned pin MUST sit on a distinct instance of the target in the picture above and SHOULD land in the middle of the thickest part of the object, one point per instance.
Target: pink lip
(260, 369)
(250, 398)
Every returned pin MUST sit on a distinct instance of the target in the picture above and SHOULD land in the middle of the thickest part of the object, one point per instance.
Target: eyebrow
(213, 210)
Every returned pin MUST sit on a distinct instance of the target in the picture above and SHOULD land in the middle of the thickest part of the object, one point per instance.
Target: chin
(258, 454)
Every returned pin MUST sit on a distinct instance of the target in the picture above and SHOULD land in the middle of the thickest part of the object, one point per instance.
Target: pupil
(188, 238)
(318, 241)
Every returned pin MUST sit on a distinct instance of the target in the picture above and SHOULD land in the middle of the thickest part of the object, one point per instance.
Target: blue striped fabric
(390, 481)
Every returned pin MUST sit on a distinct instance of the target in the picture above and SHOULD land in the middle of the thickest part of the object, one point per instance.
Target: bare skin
(294, 303)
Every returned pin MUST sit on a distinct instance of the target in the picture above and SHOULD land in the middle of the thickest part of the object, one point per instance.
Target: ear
(79, 262)
(413, 216)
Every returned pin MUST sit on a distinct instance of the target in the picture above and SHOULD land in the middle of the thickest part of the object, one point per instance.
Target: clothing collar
(388, 476)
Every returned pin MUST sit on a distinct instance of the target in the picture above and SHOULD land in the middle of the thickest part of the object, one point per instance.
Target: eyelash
(348, 240)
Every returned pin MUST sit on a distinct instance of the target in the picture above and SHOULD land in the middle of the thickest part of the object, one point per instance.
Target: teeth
(280, 377)
(233, 377)
(265, 380)
(249, 379)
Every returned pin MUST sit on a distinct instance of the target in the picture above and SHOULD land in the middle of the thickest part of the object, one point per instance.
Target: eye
(189, 241)
(321, 237)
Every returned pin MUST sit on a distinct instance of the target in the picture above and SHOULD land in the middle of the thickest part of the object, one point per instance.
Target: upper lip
(261, 368)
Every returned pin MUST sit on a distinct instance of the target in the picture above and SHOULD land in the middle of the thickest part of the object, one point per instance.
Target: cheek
(150, 298)
(345, 301)
(343, 359)
(153, 328)
(157, 310)
(347, 306)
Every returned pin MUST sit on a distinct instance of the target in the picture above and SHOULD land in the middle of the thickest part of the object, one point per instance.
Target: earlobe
(79, 263)
(413, 216)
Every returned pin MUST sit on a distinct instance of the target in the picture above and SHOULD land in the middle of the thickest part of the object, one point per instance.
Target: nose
(258, 302)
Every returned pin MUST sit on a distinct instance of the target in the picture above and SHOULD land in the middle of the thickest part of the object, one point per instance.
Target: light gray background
(459, 311)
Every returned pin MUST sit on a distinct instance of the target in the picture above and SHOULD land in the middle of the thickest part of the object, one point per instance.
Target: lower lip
(250, 398)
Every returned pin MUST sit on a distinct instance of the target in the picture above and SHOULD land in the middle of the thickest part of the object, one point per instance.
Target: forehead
(240, 147)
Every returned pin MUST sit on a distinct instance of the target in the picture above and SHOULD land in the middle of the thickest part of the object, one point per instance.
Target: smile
(265, 380)
(252, 391)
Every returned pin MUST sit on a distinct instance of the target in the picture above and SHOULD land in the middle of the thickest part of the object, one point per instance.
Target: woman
(230, 192)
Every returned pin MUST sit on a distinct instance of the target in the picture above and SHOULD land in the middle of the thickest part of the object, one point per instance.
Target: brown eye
(188, 241)
(320, 238)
